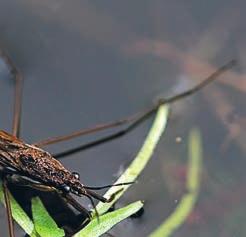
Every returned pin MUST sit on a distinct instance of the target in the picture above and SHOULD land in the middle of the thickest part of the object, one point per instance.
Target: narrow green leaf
(19, 214)
(141, 159)
(45, 226)
(188, 201)
(107, 221)
(195, 161)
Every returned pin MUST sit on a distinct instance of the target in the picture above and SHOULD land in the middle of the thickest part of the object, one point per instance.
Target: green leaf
(142, 158)
(187, 203)
(45, 226)
(19, 214)
(107, 221)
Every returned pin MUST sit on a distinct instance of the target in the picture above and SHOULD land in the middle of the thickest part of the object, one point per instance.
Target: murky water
(90, 62)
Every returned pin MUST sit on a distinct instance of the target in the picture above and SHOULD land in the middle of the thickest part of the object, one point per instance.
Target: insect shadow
(29, 165)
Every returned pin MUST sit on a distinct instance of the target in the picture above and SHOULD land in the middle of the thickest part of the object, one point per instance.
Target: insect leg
(135, 118)
(28, 182)
(8, 208)
(93, 205)
(100, 141)
(97, 128)
(18, 92)
(76, 205)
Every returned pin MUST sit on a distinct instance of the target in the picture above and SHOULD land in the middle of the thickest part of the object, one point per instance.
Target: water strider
(29, 165)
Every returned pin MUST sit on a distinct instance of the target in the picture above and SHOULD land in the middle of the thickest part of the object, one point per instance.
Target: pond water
(90, 62)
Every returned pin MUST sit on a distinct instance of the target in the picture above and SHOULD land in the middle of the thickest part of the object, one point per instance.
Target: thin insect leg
(200, 85)
(81, 209)
(8, 208)
(70, 200)
(93, 205)
(76, 205)
(138, 115)
(18, 92)
(82, 132)
(100, 141)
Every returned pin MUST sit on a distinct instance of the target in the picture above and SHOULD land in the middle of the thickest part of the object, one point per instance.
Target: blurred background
(89, 62)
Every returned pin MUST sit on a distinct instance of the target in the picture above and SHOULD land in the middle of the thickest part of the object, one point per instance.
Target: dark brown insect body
(35, 165)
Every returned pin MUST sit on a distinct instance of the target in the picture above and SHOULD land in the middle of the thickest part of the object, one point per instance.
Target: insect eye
(65, 188)
(76, 175)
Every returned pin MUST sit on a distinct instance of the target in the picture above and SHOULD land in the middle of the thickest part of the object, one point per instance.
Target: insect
(29, 165)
